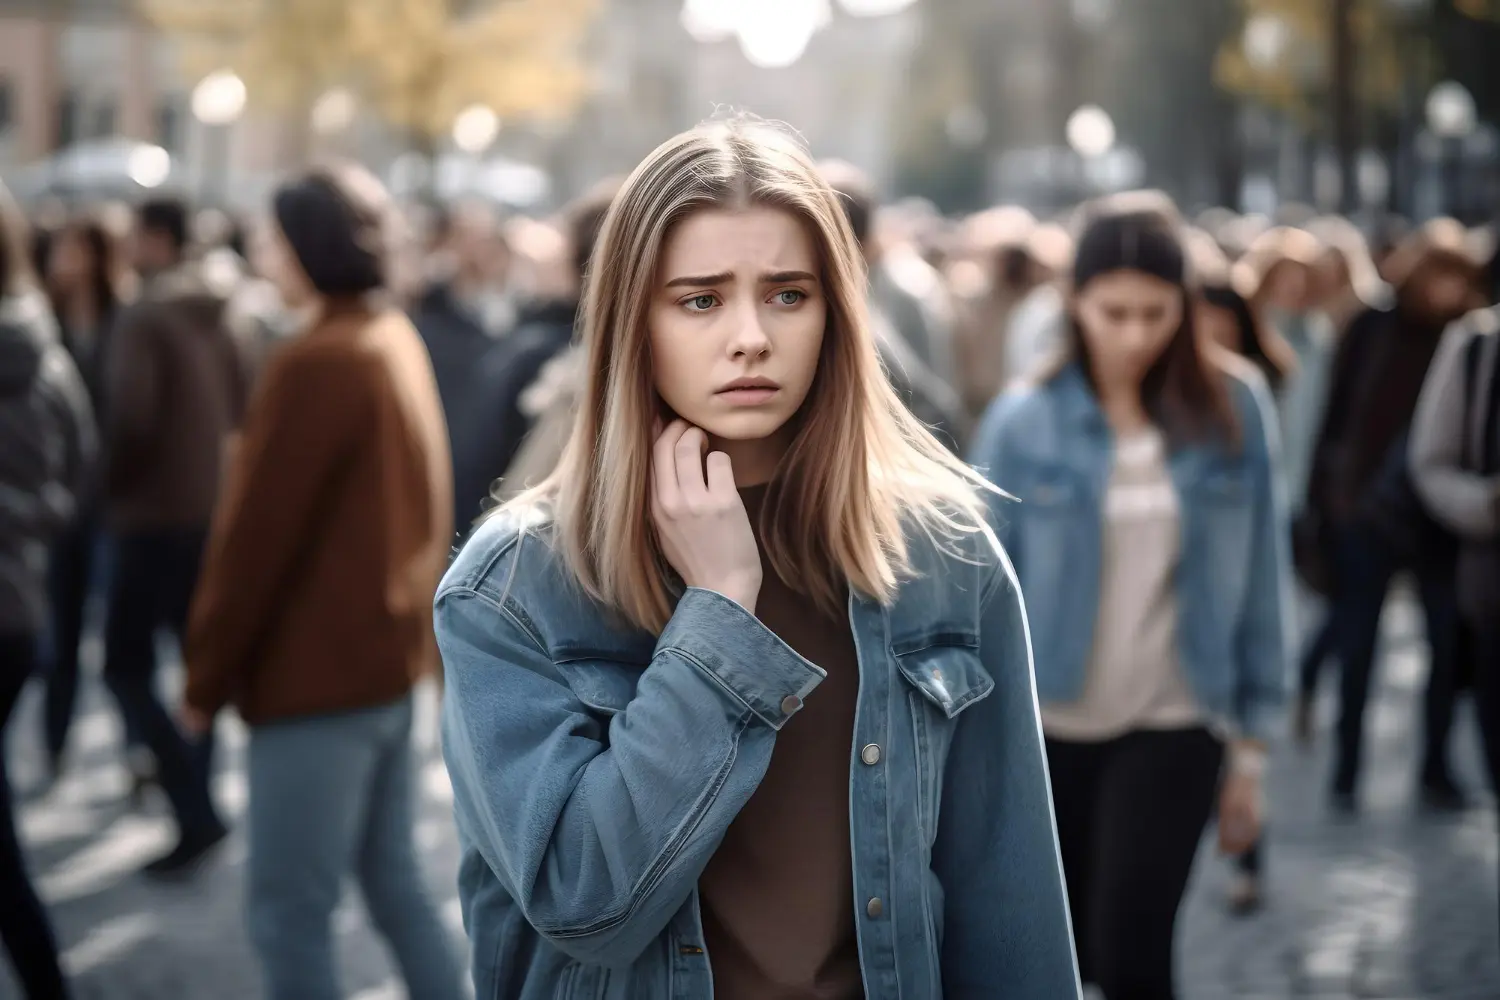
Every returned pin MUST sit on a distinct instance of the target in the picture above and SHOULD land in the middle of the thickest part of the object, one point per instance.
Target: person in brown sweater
(314, 615)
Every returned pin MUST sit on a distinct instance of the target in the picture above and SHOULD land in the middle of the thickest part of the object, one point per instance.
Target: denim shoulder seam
(517, 615)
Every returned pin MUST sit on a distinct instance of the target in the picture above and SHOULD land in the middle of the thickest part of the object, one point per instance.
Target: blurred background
(1361, 106)
(1301, 137)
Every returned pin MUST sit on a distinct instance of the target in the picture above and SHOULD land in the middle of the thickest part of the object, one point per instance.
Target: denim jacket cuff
(1258, 722)
(748, 660)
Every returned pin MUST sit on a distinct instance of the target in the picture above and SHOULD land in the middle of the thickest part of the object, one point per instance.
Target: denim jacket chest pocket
(1058, 522)
(1221, 501)
(943, 678)
(1221, 527)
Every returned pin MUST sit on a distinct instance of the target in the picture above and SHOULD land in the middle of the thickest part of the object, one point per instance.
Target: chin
(744, 426)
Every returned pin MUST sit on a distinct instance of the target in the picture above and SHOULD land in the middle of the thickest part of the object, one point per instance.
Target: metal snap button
(790, 704)
(870, 754)
(875, 908)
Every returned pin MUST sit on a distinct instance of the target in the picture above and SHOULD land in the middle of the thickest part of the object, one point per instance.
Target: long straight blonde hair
(860, 470)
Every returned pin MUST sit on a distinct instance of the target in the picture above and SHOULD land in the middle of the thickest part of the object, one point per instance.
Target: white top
(1135, 678)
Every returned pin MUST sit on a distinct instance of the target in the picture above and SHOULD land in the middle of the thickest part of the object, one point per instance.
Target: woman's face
(1127, 319)
(273, 259)
(736, 321)
(69, 263)
(1445, 290)
(1334, 279)
(1218, 325)
(1287, 286)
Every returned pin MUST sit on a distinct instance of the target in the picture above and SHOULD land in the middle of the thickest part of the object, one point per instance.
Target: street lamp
(1265, 40)
(475, 128)
(217, 102)
(1091, 132)
(1452, 118)
(1450, 111)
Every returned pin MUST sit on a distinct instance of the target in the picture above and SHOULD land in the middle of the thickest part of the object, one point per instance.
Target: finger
(664, 465)
(720, 474)
(689, 455)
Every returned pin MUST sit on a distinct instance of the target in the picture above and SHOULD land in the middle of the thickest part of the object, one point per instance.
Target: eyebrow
(724, 278)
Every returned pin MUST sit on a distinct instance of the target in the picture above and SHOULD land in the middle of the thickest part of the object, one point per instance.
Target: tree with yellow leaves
(415, 63)
(1283, 56)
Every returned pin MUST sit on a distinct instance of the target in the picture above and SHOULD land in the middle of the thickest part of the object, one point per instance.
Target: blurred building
(84, 73)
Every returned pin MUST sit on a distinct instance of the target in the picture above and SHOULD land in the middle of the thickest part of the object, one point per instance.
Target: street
(1394, 904)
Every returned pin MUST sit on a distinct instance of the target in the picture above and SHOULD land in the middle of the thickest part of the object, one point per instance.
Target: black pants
(1366, 567)
(152, 589)
(24, 927)
(1319, 648)
(72, 574)
(1130, 815)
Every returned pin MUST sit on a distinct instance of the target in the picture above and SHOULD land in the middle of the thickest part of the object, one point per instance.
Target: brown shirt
(317, 586)
(778, 896)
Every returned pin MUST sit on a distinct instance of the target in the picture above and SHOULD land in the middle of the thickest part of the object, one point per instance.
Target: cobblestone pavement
(1393, 905)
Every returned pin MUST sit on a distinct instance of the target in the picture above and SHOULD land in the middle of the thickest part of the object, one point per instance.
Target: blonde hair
(860, 469)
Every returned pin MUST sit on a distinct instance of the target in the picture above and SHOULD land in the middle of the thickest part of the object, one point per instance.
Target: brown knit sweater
(316, 593)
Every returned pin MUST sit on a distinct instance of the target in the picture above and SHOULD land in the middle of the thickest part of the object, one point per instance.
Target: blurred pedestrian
(1152, 549)
(655, 672)
(1376, 525)
(896, 317)
(489, 434)
(461, 317)
(176, 388)
(1345, 286)
(46, 448)
(1229, 320)
(1008, 273)
(314, 616)
(1455, 468)
(89, 284)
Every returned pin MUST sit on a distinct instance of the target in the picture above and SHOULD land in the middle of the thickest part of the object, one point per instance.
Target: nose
(749, 339)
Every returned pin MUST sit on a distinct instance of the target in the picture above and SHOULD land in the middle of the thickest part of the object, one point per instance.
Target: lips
(749, 384)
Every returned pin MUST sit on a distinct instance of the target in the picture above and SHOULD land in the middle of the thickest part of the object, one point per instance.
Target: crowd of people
(722, 470)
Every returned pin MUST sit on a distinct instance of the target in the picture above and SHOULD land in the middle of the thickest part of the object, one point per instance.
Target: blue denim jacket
(1050, 447)
(595, 769)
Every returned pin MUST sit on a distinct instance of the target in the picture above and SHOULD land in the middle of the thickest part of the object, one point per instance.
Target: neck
(1120, 399)
(82, 308)
(467, 286)
(754, 461)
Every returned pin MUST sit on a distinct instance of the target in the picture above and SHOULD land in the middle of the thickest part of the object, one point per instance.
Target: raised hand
(700, 519)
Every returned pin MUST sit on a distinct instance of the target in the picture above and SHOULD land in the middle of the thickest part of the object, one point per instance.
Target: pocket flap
(952, 677)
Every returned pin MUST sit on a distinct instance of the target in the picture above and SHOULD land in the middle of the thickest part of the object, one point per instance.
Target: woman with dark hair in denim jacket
(1151, 545)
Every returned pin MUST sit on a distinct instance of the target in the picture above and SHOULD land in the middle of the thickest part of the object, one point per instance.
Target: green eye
(700, 303)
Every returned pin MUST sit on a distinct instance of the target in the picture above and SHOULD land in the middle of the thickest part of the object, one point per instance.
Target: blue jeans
(331, 795)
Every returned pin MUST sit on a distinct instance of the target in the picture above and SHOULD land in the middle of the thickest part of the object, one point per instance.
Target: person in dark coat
(1359, 490)
(46, 449)
(177, 382)
(488, 435)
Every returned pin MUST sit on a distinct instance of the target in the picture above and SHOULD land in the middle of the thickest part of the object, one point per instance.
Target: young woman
(1151, 544)
(86, 278)
(312, 613)
(738, 700)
